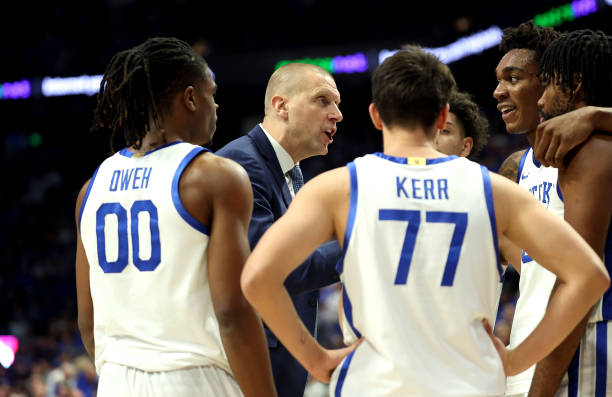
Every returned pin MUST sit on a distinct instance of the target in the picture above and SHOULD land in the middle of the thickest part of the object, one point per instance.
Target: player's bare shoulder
(509, 168)
(215, 174)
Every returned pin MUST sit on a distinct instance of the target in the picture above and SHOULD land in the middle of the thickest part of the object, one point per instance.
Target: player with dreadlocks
(517, 93)
(162, 239)
(575, 73)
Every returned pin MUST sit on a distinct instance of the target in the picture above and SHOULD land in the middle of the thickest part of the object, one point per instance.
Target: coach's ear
(442, 117)
(375, 116)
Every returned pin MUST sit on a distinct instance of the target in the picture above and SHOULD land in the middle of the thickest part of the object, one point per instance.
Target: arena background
(48, 151)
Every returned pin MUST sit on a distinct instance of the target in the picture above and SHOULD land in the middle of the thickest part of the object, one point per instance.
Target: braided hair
(528, 36)
(581, 56)
(139, 84)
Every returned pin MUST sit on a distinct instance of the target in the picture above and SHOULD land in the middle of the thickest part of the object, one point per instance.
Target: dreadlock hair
(474, 123)
(528, 36)
(411, 87)
(139, 84)
(583, 56)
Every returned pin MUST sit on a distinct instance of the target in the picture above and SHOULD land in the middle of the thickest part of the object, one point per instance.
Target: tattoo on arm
(510, 166)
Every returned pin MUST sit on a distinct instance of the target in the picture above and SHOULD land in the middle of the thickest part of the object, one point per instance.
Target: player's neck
(409, 143)
(531, 137)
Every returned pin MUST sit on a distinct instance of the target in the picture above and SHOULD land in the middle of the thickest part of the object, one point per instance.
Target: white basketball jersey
(420, 271)
(148, 265)
(535, 283)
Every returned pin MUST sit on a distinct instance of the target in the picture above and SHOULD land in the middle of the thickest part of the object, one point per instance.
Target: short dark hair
(581, 56)
(473, 121)
(528, 36)
(139, 84)
(411, 87)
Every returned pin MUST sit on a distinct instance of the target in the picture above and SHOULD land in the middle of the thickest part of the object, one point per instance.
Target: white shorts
(590, 371)
(120, 381)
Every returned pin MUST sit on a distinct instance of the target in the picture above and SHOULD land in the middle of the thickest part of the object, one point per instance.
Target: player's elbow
(232, 317)
(251, 283)
(603, 278)
(597, 278)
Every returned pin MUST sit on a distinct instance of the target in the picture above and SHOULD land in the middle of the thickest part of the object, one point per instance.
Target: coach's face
(313, 114)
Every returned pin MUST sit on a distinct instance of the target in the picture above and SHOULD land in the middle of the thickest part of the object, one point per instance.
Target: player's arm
(510, 167)
(557, 136)
(510, 253)
(84, 301)
(581, 273)
(587, 193)
(311, 219)
(229, 207)
(318, 270)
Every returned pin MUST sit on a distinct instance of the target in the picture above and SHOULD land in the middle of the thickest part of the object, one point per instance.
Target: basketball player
(559, 135)
(466, 131)
(575, 72)
(517, 93)
(162, 238)
(420, 267)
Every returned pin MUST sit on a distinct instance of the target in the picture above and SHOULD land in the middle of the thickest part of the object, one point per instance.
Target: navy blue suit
(271, 198)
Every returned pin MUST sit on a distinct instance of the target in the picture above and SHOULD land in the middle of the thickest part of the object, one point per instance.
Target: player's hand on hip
(323, 371)
(503, 352)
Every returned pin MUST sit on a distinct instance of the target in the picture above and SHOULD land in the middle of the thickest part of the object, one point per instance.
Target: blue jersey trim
(175, 192)
(535, 161)
(488, 191)
(342, 375)
(348, 311)
(351, 215)
(91, 182)
(601, 358)
(572, 375)
(521, 164)
(404, 160)
(127, 153)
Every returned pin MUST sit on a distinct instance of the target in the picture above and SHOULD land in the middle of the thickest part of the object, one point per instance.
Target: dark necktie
(296, 178)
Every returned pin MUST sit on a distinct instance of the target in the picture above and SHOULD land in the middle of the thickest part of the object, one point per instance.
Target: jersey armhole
(176, 198)
(488, 192)
(351, 215)
(521, 164)
(91, 182)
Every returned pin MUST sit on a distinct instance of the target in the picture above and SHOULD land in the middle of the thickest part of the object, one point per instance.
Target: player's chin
(515, 129)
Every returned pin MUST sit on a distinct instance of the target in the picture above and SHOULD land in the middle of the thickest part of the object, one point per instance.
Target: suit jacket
(271, 198)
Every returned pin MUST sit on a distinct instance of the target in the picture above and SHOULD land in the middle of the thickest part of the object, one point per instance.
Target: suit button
(312, 302)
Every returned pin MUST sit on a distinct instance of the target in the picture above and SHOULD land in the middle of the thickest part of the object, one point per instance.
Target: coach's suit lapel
(267, 151)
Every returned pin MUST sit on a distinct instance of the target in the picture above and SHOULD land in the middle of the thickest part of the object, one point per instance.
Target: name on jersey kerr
(422, 189)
